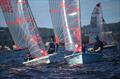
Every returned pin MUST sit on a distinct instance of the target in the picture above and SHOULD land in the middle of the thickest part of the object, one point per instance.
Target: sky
(40, 10)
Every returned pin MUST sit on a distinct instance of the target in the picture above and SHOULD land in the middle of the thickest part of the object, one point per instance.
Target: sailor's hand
(47, 44)
(98, 49)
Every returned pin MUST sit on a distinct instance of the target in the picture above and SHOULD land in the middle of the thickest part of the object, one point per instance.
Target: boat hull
(40, 60)
(83, 58)
(37, 61)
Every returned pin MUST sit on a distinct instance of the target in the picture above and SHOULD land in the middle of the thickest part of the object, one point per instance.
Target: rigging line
(61, 35)
(64, 36)
(33, 45)
(33, 20)
(29, 14)
(58, 30)
(56, 26)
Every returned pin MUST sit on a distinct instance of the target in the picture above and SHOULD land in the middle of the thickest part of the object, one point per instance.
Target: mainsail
(54, 9)
(97, 22)
(69, 13)
(10, 17)
(22, 26)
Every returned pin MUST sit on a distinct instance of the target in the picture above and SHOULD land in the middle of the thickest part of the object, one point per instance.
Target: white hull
(40, 60)
(83, 58)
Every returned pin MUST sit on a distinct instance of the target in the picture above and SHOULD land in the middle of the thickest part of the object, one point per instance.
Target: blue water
(109, 68)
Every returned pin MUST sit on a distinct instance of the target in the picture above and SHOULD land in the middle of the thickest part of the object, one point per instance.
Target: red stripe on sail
(78, 48)
(62, 4)
(57, 39)
(17, 46)
(77, 34)
(18, 20)
(43, 52)
(54, 11)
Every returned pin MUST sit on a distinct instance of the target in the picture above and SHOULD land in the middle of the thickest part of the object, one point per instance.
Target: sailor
(84, 48)
(98, 46)
(28, 57)
(52, 45)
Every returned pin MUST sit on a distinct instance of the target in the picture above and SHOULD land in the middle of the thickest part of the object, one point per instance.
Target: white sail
(97, 23)
(54, 9)
(22, 26)
(11, 21)
(69, 11)
(71, 24)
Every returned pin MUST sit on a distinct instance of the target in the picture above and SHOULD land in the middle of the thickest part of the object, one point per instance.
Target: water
(108, 68)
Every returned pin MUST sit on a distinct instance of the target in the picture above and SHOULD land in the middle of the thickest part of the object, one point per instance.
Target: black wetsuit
(51, 48)
(29, 57)
(84, 49)
(98, 44)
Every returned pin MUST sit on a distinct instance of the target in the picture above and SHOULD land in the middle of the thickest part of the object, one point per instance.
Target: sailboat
(97, 27)
(68, 12)
(97, 24)
(23, 28)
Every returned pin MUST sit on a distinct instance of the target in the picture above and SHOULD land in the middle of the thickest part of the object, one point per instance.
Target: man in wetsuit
(98, 46)
(52, 46)
(28, 57)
